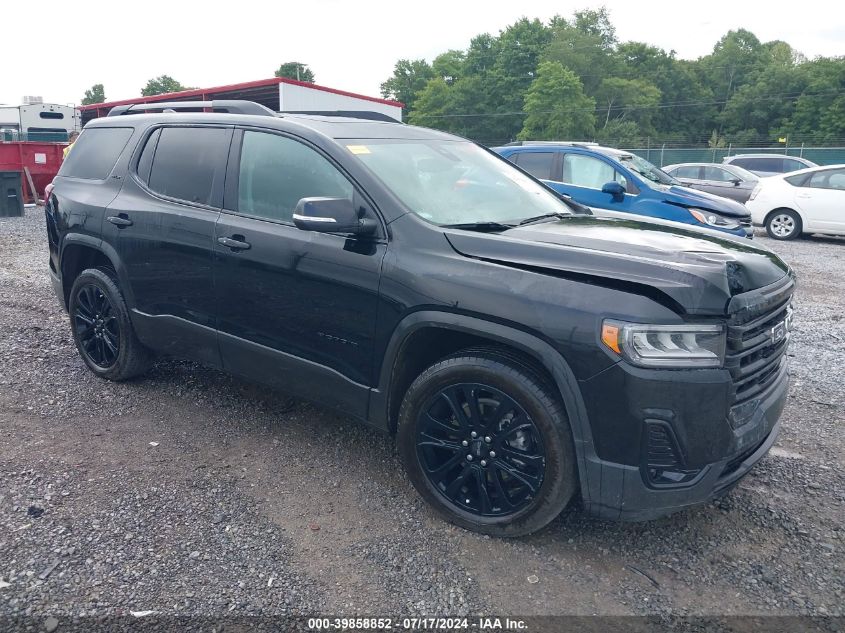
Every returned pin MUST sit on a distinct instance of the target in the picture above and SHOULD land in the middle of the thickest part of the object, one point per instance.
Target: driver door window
(276, 172)
(589, 172)
(717, 174)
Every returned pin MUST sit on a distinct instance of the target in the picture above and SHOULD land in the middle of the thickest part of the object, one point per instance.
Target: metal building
(278, 94)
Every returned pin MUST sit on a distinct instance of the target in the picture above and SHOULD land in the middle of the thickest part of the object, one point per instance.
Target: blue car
(613, 180)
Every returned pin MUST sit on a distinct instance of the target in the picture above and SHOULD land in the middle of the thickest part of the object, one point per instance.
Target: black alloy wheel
(485, 439)
(480, 449)
(102, 329)
(97, 326)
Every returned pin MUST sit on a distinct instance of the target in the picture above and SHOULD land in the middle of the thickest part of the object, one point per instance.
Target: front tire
(487, 443)
(101, 327)
(783, 224)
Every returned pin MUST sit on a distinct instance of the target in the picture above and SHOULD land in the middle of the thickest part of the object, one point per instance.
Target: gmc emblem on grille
(778, 332)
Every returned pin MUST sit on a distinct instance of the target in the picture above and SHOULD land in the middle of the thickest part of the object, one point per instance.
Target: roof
(230, 91)
(338, 128)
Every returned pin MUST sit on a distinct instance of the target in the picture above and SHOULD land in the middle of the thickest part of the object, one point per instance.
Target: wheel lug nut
(464, 443)
(473, 435)
(492, 453)
(469, 458)
(483, 462)
(488, 439)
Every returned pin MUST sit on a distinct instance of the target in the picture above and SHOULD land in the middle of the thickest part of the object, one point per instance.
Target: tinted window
(686, 171)
(760, 164)
(538, 164)
(828, 179)
(276, 172)
(146, 160)
(790, 164)
(718, 174)
(586, 171)
(799, 180)
(188, 163)
(95, 152)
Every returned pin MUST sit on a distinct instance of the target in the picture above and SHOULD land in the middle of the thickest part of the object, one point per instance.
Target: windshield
(455, 182)
(647, 170)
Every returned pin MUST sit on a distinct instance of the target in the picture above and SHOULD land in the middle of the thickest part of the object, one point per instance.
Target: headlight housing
(714, 219)
(678, 346)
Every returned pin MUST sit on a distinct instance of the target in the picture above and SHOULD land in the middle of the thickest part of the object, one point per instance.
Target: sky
(63, 48)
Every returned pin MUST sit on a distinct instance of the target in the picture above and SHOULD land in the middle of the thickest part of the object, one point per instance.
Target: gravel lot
(190, 492)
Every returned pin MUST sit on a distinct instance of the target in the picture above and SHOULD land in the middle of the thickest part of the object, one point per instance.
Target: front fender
(525, 342)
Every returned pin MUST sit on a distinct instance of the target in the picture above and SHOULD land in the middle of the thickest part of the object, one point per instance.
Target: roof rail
(368, 115)
(567, 143)
(232, 106)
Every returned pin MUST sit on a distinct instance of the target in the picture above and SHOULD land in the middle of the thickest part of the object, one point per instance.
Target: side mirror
(614, 189)
(736, 182)
(331, 215)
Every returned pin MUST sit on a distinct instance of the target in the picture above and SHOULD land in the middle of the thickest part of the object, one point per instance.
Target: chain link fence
(662, 155)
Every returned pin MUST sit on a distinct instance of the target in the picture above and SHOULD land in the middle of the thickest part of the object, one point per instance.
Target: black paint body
(329, 317)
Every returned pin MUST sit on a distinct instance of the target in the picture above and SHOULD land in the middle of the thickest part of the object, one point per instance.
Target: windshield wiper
(537, 218)
(480, 226)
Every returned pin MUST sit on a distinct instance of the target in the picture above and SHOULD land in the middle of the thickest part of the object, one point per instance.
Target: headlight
(754, 192)
(666, 345)
(713, 219)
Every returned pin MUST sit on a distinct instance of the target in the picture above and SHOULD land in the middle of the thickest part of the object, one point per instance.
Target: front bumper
(718, 454)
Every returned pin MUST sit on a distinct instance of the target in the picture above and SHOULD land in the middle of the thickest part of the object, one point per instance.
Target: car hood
(687, 197)
(697, 271)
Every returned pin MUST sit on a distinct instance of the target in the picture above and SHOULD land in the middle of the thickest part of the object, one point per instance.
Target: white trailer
(38, 122)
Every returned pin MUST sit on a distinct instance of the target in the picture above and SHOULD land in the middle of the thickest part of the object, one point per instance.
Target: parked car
(522, 351)
(806, 201)
(728, 181)
(768, 164)
(612, 180)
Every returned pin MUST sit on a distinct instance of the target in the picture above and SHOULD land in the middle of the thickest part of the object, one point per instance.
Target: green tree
(586, 46)
(161, 85)
(296, 70)
(634, 100)
(409, 77)
(95, 94)
(556, 106)
(737, 58)
(449, 66)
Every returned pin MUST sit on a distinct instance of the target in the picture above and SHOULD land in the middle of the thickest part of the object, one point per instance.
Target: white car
(806, 201)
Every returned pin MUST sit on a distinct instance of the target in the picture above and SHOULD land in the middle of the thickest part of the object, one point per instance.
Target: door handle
(236, 242)
(120, 220)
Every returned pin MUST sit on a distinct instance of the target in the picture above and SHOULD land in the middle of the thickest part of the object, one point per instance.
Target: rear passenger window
(95, 152)
(189, 163)
(276, 172)
(538, 164)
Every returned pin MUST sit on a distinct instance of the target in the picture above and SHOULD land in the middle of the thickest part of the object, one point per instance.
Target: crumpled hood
(700, 272)
(688, 197)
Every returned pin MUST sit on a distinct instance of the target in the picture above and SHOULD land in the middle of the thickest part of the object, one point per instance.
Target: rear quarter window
(188, 163)
(95, 152)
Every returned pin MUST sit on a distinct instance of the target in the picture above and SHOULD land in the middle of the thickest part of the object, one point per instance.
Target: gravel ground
(191, 493)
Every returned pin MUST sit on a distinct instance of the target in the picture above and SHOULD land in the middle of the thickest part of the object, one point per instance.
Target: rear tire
(486, 441)
(101, 327)
(783, 224)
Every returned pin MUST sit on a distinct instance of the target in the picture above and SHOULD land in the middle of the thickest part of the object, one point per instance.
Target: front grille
(756, 351)
(745, 221)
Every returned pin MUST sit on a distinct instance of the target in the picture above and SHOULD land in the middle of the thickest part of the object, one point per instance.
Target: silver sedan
(728, 181)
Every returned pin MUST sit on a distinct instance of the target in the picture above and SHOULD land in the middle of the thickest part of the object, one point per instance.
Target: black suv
(523, 351)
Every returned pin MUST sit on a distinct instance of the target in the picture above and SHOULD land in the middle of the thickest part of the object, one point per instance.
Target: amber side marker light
(610, 337)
